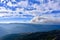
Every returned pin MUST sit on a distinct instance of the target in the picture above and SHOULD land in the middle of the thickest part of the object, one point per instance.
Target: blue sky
(29, 11)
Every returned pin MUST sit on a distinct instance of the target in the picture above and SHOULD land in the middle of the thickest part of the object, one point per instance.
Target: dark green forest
(50, 35)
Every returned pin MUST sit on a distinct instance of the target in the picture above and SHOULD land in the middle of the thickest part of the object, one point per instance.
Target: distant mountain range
(25, 28)
(50, 35)
(2, 32)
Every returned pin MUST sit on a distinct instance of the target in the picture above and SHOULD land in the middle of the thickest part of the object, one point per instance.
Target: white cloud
(10, 4)
(40, 10)
(23, 3)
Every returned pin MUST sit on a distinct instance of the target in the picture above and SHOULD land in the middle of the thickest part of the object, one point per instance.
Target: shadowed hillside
(50, 35)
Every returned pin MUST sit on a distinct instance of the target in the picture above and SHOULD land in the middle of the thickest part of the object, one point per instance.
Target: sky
(29, 11)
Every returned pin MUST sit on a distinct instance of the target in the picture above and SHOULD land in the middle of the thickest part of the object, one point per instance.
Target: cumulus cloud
(45, 19)
(39, 13)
